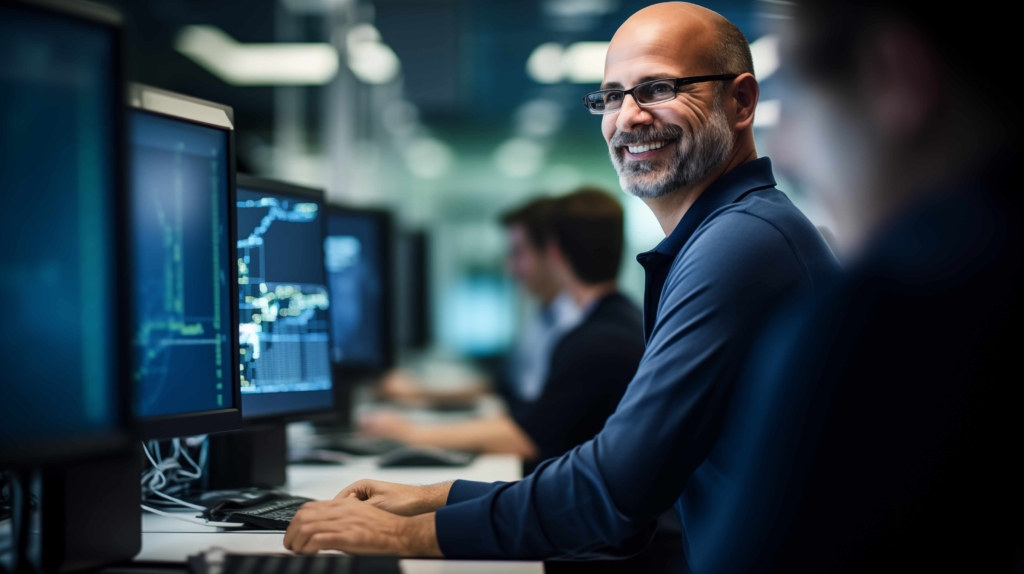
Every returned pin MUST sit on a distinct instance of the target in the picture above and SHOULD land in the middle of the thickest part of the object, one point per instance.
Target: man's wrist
(418, 537)
(437, 495)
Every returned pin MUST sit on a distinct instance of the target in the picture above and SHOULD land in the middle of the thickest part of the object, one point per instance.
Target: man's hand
(356, 527)
(387, 425)
(400, 499)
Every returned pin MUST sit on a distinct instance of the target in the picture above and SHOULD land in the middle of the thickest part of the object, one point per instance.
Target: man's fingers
(309, 515)
(363, 489)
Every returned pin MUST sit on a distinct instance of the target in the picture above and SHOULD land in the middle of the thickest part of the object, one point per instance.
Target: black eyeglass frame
(679, 82)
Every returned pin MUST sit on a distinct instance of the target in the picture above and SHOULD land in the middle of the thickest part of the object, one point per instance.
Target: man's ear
(900, 80)
(744, 94)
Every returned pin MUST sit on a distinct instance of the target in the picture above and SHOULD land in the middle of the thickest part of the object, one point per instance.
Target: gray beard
(696, 156)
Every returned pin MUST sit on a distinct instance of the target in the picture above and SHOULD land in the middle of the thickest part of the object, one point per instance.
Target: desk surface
(169, 540)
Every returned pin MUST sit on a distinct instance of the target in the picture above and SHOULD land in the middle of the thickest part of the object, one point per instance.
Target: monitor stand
(86, 514)
(256, 456)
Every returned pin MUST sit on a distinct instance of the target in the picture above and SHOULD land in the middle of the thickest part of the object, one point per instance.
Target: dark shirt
(878, 426)
(590, 368)
(737, 252)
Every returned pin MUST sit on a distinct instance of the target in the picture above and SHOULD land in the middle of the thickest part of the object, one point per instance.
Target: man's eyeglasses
(645, 93)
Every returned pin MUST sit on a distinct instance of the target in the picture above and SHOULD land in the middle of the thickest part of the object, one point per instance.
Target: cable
(199, 470)
(181, 502)
(194, 520)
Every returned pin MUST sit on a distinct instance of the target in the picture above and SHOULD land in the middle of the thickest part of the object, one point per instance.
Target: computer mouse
(411, 456)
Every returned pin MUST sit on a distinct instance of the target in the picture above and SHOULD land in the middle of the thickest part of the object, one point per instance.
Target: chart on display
(182, 266)
(283, 304)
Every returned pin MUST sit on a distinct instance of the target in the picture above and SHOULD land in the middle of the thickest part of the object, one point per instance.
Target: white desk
(169, 540)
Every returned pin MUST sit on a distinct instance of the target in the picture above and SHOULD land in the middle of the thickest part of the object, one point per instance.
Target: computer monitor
(357, 254)
(183, 224)
(283, 299)
(63, 227)
(415, 298)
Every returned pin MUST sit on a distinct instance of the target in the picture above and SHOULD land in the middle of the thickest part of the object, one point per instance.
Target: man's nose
(632, 115)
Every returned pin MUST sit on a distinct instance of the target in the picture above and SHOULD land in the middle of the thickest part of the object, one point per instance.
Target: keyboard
(271, 512)
(219, 562)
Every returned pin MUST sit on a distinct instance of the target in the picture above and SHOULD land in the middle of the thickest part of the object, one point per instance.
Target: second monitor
(284, 300)
(358, 259)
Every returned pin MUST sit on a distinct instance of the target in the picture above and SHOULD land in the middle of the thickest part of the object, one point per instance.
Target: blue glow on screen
(56, 191)
(182, 350)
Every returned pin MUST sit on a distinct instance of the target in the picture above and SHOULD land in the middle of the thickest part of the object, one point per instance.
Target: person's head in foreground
(889, 100)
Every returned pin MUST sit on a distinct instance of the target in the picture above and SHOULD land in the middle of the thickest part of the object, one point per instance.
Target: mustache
(646, 134)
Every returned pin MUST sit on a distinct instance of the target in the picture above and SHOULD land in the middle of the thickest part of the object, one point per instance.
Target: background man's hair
(587, 225)
(532, 216)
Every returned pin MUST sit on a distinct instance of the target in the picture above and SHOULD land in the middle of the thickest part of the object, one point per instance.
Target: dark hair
(973, 43)
(533, 217)
(587, 225)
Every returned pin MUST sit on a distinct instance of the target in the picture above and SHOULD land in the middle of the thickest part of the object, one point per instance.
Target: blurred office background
(445, 111)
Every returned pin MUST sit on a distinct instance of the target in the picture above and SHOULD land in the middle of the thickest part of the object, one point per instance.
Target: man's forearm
(499, 435)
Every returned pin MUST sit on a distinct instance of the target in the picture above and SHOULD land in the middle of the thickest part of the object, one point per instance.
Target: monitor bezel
(353, 374)
(219, 420)
(66, 450)
(256, 183)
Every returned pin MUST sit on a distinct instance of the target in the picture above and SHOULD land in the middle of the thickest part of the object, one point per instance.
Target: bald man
(677, 111)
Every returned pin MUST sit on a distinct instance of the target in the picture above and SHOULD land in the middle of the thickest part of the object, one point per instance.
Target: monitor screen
(283, 304)
(182, 266)
(58, 193)
(354, 255)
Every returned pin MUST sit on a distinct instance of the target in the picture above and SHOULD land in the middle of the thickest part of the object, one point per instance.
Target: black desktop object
(65, 395)
(284, 329)
(186, 317)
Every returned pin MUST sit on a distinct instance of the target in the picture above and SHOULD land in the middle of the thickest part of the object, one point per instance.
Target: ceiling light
(583, 62)
(545, 64)
(767, 113)
(765, 51)
(580, 63)
(277, 64)
(371, 60)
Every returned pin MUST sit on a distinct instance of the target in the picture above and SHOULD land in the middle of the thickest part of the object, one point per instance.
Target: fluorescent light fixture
(580, 63)
(767, 113)
(371, 60)
(765, 51)
(257, 64)
(583, 62)
(545, 64)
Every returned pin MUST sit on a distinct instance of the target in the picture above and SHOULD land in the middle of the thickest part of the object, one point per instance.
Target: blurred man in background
(587, 362)
(878, 426)
(677, 109)
(526, 367)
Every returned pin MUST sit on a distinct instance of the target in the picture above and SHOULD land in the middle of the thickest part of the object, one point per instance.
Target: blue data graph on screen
(56, 190)
(182, 263)
(352, 253)
(283, 304)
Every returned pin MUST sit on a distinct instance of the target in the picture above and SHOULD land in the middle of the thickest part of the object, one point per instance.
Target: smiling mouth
(646, 147)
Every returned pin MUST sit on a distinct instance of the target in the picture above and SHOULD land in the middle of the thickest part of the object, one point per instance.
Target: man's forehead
(636, 63)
